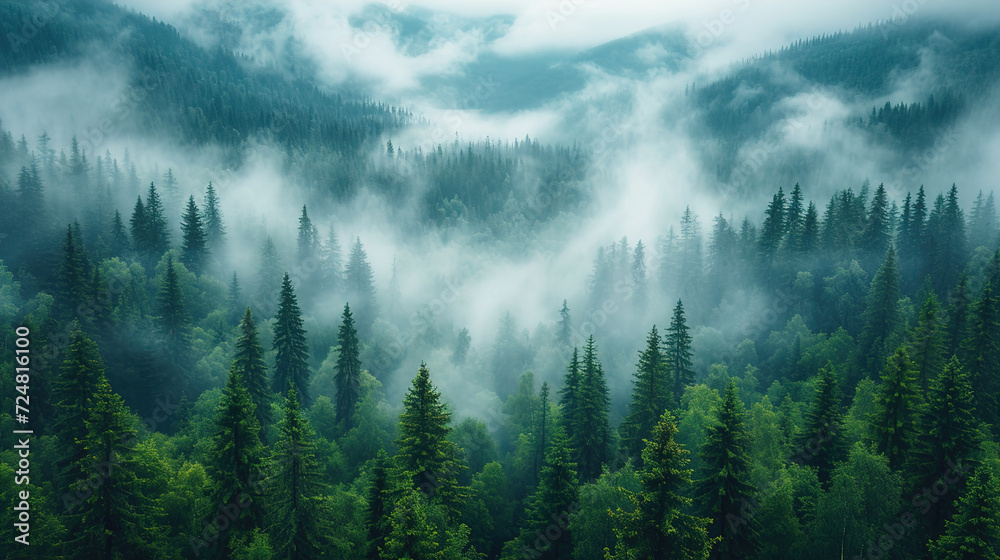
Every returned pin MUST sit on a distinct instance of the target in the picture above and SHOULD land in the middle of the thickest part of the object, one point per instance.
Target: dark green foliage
(927, 345)
(249, 364)
(552, 505)
(678, 350)
(348, 377)
(74, 273)
(982, 355)
(359, 287)
(725, 486)
(291, 365)
(973, 532)
(81, 374)
(898, 401)
(195, 249)
(881, 319)
(591, 437)
(215, 228)
(821, 443)
(650, 396)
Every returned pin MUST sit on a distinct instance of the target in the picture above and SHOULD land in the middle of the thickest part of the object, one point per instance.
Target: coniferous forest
(247, 315)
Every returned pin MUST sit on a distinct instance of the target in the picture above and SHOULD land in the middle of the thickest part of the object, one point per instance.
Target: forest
(246, 317)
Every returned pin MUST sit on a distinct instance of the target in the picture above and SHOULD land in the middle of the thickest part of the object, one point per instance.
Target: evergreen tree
(74, 273)
(881, 313)
(215, 228)
(822, 442)
(195, 250)
(330, 262)
(958, 317)
(462, 344)
(360, 283)
(81, 374)
(773, 229)
(379, 507)
(173, 316)
(983, 222)
(658, 525)
(119, 243)
(308, 240)
(569, 397)
(139, 227)
(876, 236)
(425, 456)
(637, 279)
(928, 344)
(650, 396)
(157, 233)
(250, 366)
(291, 365)
(237, 461)
(810, 231)
(893, 423)
(348, 377)
(543, 431)
(300, 530)
(794, 218)
(116, 520)
(973, 533)
(726, 488)
(552, 503)
(982, 356)
(591, 438)
(678, 350)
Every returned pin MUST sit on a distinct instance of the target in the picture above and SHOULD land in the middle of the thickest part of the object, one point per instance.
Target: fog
(647, 156)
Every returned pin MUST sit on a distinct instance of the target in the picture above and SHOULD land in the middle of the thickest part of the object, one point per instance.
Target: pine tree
(973, 533)
(794, 218)
(569, 397)
(821, 443)
(893, 423)
(237, 461)
(881, 313)
(946, 440)
(637, 278)
(552, 504)
(928, 344)
(543, 431)
(983, 222)
(591, 438)
(115, 520)
(173, 316)
(215, 228)
(650, 396)
(82, 372)
(565, 327)
(300, 530)
(195, 251)
(658, 526)
(360, 283)
(810, 231)
(268, 278)
(982, 355)
(250, 366)
(291, 365)
(726, 488)
(157, 234)
(139, 228)
(773, 229)
(348, 377)
(119, 243)
(876, 236)
(678, 349)
(74, 273)
(330, 262)
(308, 241)
(379, 507)
(425, 456)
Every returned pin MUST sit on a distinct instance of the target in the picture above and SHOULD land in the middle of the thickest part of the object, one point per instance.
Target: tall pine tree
(348, 376)
(291, 365)
(678, 347)
(650, 396)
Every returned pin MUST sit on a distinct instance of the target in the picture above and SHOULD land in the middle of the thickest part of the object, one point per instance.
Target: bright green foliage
(115, 520)
(593, 526)
(973, 532)
(591, 437)
(658, 527)
(249, 364)
(237, 460)
(725, 487)
(348, 376)
(821, 443)
(428, 460)
(678, 349)
(650, 396)
(81, 374)
(928, 343)
(299, 527)
(379, 506)
(195, 254)
(893, 424)
(291, 366)
(489, 510)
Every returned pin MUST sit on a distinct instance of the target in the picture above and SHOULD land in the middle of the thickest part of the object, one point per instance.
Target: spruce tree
(876, 236)
(157, 234)
(268, 278)
(569, 397)
(881, 317)
(237, 461)
(650, 396)
(139, 227)
(81, 373)
(300, 530)
(359, 280)
(250, 365)
(308, 240)
(592, 435)
(897, 403)
(982, 356)
(973, 532)
(726, 488)
(678, 349)
(425, 457)
(659, 526)
(958, 317)
(291, 365)
(348, 376)
(173, 316)
(195, 251)
(928, 343)
(552, 504)
(379, 506)
(821, 444)
(543, 431)
(215, 228)
(74, 273)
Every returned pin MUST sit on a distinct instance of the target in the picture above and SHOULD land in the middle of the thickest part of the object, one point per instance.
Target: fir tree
(637, 279)
(658, 525)
(379, 507)
(195, 251)
(542, 432)
(650, 396)
(268, 278)
(591, 437)
(348, 376)
(249, 364)
(215, 228)
(157, 233)
(82, 371)
(300, 530)
(726, 488)
(308, 240)
(928, 344)
(893, 423)
(982, 355)
(958, 317)
(552, 504)
(360, 284)
(569, 396)
(173, 316)
(74, 273)
(291, 366)
(822, 442)
(881, 313)
(973, 532)
(678, 350)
